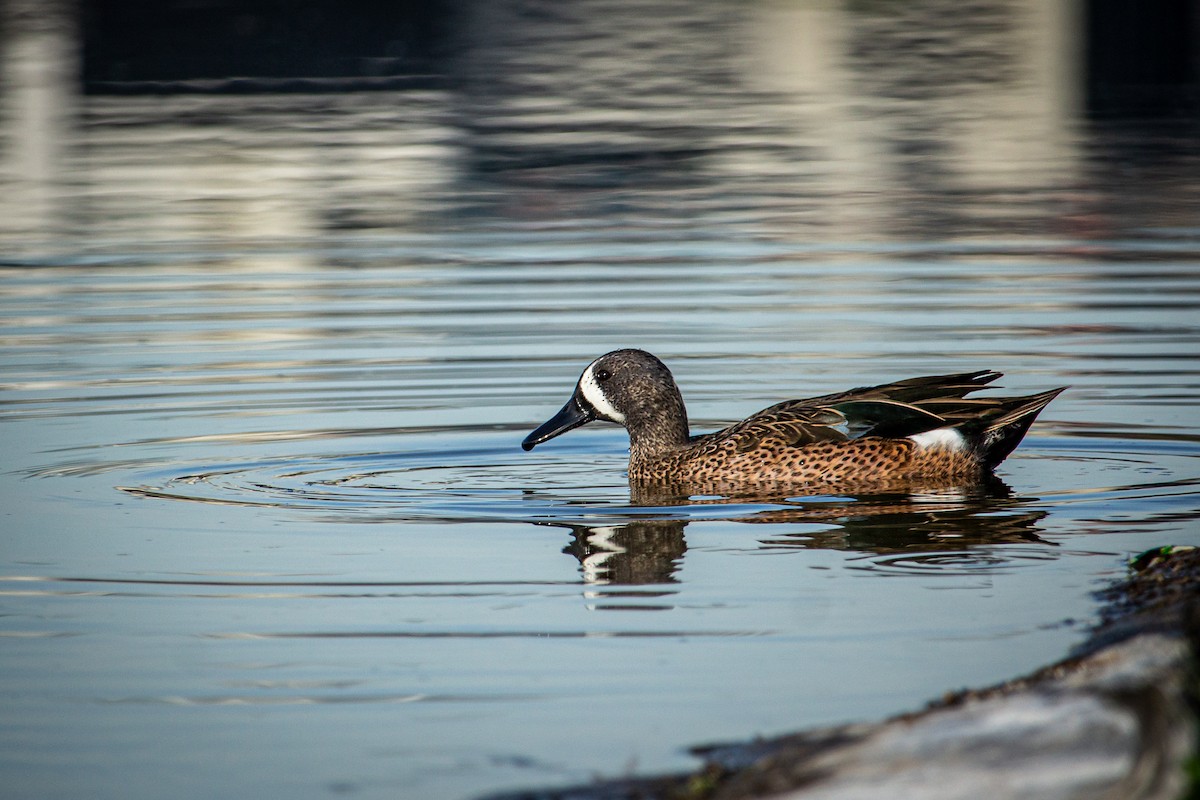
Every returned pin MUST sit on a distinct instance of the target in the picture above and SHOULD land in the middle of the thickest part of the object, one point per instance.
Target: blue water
(267, 362)
(268, 527)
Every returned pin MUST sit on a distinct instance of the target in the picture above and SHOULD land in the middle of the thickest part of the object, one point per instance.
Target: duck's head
(628, 387)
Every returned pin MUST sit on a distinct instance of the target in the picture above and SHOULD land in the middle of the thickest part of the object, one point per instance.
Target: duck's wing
(789, 427)
(899, 409)
(931, 389)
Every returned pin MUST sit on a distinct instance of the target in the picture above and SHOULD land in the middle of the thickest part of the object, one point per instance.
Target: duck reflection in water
(629, 554)
(651, 551)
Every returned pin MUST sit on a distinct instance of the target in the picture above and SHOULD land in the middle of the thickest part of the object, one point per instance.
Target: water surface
(268, 360)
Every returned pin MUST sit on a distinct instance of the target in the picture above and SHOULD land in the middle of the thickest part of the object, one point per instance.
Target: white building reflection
(39, 98)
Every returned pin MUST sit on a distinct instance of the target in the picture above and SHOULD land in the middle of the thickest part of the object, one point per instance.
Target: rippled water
(268, 529)
(274, 514)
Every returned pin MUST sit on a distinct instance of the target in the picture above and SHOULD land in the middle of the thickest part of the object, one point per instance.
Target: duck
(919, 430)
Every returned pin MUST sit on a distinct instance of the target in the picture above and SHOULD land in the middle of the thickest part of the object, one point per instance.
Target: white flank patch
(595, 395)
(939, 438)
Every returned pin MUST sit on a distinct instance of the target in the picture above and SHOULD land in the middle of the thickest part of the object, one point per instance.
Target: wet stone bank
(1117, 719)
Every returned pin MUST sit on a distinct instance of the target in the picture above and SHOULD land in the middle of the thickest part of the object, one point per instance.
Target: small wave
(960, 563)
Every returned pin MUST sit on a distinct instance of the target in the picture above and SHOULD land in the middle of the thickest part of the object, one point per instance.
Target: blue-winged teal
(920, 430)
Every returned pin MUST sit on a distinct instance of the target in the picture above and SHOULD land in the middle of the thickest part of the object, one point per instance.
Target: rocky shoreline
(1116, 719)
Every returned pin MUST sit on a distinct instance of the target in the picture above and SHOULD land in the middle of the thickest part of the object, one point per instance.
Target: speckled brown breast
(858, 462)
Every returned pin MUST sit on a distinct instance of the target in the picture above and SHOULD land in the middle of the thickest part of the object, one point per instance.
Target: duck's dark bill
(575, 413)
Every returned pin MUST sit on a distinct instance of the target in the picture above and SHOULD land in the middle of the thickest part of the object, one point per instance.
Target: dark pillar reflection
(1142, 59)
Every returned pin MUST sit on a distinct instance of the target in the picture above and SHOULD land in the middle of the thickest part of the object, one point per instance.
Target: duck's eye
(603, 374)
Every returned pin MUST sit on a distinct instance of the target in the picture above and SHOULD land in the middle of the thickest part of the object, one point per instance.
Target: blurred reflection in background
(127, 123)
(39, 106)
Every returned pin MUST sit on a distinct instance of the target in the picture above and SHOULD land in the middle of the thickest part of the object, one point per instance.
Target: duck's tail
(998, 434)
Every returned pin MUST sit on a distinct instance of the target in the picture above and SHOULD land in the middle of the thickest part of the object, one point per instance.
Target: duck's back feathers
(989, 426)
(895, 409)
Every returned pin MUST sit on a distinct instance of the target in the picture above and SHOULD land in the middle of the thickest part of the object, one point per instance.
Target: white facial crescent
(595, 395)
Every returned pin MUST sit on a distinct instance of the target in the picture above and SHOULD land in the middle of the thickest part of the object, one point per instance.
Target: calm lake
(268, 359)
